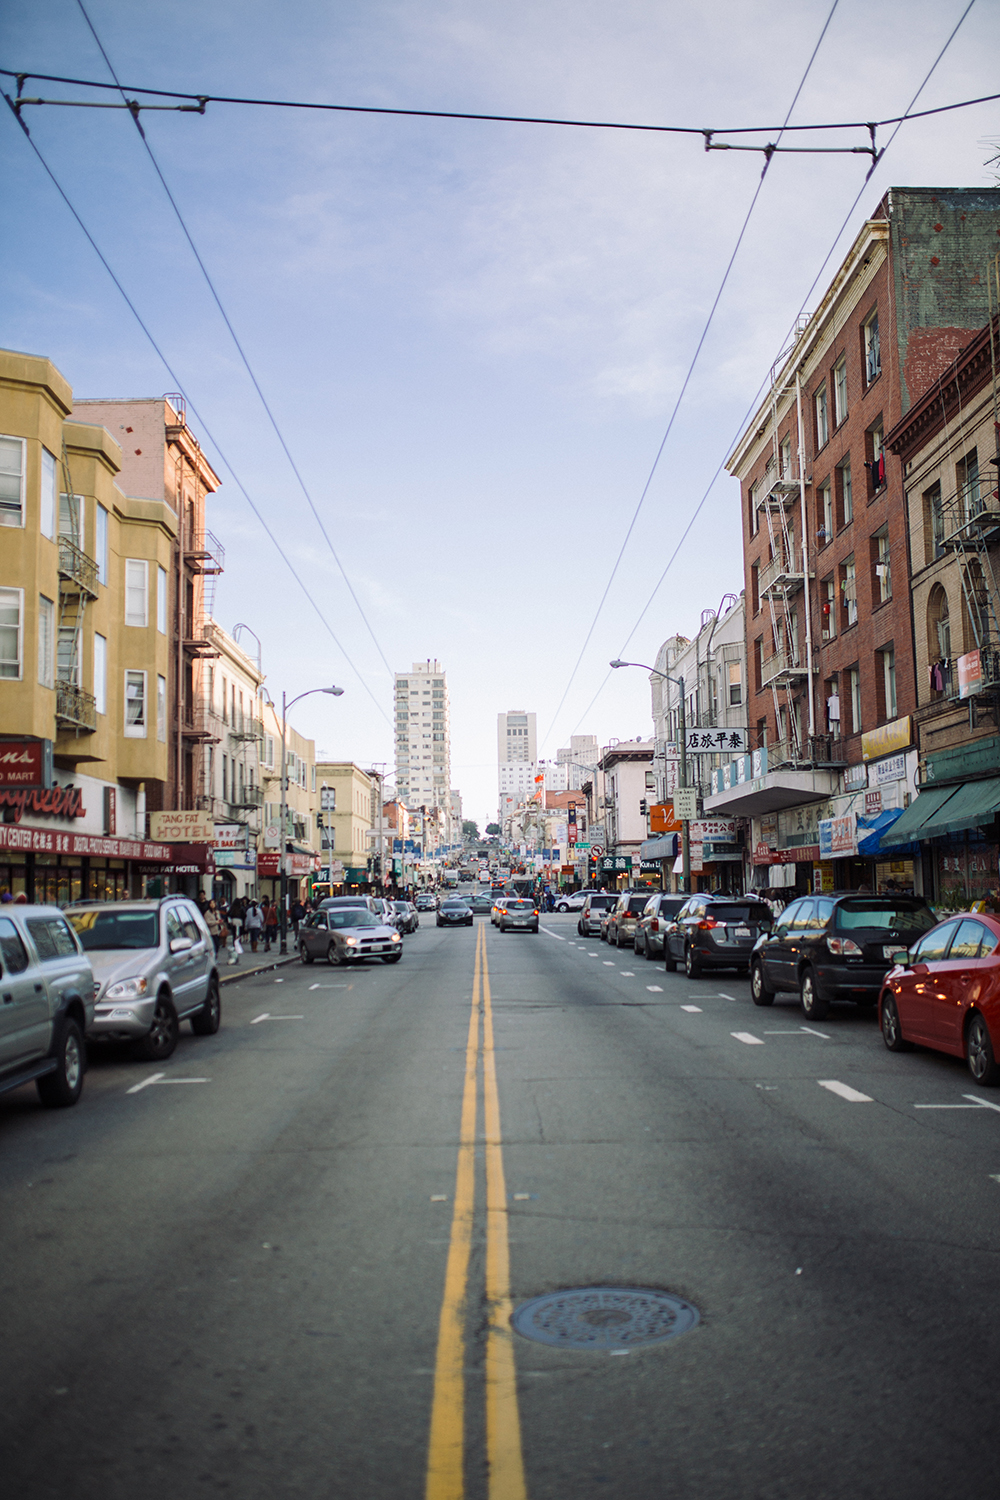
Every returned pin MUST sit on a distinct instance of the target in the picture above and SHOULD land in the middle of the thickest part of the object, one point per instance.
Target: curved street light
(335, 692)
(682, 727)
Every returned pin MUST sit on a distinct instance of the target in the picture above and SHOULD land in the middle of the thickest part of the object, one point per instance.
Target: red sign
(268, 864)
(22, 763)
(53, 802)
(52, 841)
(762, 854)
(970, 674)
(873, 803)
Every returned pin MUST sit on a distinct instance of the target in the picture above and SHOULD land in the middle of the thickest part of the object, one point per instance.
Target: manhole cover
(604, 1317)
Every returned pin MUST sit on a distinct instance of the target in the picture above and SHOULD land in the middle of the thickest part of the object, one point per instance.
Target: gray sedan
(347, 936)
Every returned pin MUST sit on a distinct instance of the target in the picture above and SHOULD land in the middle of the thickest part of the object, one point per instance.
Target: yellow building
(85, 649)
(349, 789)
(301, 840)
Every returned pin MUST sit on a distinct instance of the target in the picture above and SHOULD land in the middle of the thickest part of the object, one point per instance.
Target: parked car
(652, 923)
(345, 934)
(334, 903)
(624, 916)
(945, 994)
(482, 905)
(836, 947)
(499, 902)
(596, 905)
(454, 912)
(426, 901)
(572, 902)
(46, 1004)
(519, 913)
(154, 967)
(714, 932)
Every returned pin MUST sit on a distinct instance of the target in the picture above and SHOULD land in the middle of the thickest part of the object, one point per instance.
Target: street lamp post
(682, 727)
(335, 692)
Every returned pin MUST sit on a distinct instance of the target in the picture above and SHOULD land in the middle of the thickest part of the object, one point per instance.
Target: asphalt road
(241, 1283)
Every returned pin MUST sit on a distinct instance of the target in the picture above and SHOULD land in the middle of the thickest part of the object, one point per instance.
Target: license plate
(894, 955)
(741, 932)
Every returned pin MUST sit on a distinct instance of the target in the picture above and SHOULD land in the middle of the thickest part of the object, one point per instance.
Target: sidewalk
(254, 963)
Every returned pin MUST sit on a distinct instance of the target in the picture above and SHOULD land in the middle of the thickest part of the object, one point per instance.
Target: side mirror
(181, 945)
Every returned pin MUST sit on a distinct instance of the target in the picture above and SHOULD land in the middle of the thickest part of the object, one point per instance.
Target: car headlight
(127, 989)
(350, 942)
(395, 938)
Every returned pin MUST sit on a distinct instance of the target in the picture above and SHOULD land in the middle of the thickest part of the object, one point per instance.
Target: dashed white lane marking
(267, 1016)
(748, 1038)
(844, 1091)
(694, 1009)
(977, 1103)
(655, 989)
(328, 986)
(549, 933)
(439, 1197)
(609, 963)
(626, 973)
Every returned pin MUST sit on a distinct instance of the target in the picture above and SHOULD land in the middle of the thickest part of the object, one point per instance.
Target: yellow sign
(886, 739)
(182, 827)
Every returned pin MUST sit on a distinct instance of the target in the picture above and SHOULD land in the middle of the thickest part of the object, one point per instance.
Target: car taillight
(536, 911)
(655, 925)
(707, 922)
(844, 948)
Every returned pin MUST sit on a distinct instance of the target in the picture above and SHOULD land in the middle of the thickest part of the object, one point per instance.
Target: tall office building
(423, 737)
(517, 759)
(580, 758)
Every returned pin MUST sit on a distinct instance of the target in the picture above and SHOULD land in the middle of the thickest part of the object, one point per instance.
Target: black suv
(714, 932)
(836, 947)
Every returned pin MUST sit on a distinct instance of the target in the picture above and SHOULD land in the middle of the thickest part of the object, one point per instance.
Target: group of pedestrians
(246, 920)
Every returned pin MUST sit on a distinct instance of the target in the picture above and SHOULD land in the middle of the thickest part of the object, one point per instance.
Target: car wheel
(636, 945)
(979, 1053)
(760, 992)
(692, 964)
(579, 930)
(647, 949)
(814, 1006)
(618, 939)
(332, 956)
(892, 1031)
(391, 958)
(206, 1022)
(669, 961)
(562, 907)
(161, 1038)
(62, 1088)
(305, 955)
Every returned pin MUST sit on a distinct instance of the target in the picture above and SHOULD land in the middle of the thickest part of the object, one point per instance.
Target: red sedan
(947, 995)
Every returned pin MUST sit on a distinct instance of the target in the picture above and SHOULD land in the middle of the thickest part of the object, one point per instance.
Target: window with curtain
(12, 481)
(135, 705)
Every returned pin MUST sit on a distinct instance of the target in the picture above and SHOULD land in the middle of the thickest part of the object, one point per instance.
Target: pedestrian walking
(270, 923)
(214, 923)
(298, 914)
(253, 921)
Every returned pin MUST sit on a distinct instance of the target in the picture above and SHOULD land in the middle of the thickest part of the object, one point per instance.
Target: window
(100, 674)
(135, 705)
(845, 494)
(888, 705)
(754, 514)
(881, 567)
(136, 591)
(933, 522)
(46, 642)
(734, 672)
(785, 458)
(71, 513)
(840, 391)
(101, 545)
(824, 513)
(161, 600)
(876, 463)
(849, 591)
(870, 349)
(822, 418)
(828, 607)
(161, 710)
(755, 587)
(968, 486)
(68, 655)
(11, 613)
(854, 698)
(12, 481)
(938, 641)
(47, 512)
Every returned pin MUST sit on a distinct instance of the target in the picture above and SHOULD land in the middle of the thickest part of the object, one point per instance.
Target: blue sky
(472, 334)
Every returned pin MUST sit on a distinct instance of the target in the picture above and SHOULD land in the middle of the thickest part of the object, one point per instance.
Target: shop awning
(946, 809)
(663, 847)
(873, 834)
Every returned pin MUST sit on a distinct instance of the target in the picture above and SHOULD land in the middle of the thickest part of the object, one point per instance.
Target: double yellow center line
(446, 1449)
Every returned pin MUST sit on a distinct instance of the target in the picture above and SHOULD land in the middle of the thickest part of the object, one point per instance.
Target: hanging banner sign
(706, 740)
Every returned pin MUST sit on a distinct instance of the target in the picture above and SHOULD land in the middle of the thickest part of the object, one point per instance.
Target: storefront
(189, 869)
(956, 826)
(52, 867)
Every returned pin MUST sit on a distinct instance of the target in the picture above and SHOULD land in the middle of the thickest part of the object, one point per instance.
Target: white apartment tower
(517, 758)
(423, 737)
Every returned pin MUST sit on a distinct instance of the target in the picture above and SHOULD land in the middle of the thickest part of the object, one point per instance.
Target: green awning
(917, 818)
(947, 809)
(973, 804)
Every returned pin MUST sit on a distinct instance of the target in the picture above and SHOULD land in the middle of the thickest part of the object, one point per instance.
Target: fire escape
(76, 710)
(780, 580)
(971, 527)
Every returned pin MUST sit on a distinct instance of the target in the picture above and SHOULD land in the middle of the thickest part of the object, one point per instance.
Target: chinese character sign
(706, 741)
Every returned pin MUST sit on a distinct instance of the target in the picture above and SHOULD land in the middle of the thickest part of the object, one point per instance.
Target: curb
(279, 962)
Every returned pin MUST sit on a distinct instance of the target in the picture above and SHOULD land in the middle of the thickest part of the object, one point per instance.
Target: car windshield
(884, 911)
(353, 917)
(103, 930)
(739, 911)
(401, 905)
(453, 906)
(636, 905)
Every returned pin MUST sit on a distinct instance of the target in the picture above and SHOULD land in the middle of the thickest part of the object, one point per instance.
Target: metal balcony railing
(783, 664)
(77, 571)
(777, 491)
(248, 796)
(247, 728)
(75, 709)
(781, 576)
(203, 552)
(200, 722)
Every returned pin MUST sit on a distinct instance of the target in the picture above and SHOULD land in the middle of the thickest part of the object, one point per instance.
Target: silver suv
(46, 1002)
(154, 966)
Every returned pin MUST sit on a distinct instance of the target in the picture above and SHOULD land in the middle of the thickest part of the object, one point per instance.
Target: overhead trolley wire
(239, 347)
(752, 406)
(201, 420)
(687, 380)
(199, 101)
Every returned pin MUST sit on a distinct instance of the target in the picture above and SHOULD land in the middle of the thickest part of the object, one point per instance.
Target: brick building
(832, 686)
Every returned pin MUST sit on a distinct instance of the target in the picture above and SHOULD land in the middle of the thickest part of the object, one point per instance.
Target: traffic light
(642, 806)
